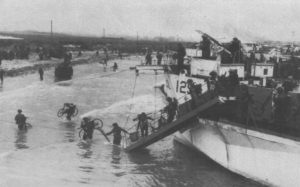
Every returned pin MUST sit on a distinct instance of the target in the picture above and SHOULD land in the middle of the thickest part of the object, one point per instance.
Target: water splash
(133, 106)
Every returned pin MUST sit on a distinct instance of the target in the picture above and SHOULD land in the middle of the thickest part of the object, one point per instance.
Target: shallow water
(52, 154)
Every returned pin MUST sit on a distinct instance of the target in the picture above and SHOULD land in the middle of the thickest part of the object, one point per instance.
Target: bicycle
(98, 125)
(27, 125)
(62, 111)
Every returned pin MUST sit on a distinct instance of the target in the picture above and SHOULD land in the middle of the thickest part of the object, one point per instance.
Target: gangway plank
(169, 129)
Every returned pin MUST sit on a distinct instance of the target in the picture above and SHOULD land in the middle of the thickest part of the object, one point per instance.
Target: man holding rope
(116, 131)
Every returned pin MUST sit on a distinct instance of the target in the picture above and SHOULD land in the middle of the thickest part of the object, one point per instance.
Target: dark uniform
(180, 57)
(148, 59)
(143, 123)
(195, 92)
(235, 49)
(1, 75)
(69, 110)
(281, 104)
(20, 120)
(212, 81)
(233, 82)
(88, 128)
(244, 99)
(115, 67)
(171, 109)
(159, 58)
(41, 72)
(206, 45)
(289, 85)
(116, 131)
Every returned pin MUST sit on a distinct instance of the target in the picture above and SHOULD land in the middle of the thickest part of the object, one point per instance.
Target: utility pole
(293, 38)
(51, 29)
(137, 41)
(103, 32)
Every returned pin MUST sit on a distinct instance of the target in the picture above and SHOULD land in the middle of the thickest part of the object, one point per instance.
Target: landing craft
(63, 71)
(247, 139)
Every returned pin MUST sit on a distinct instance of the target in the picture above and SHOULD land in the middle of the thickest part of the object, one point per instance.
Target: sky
(246, 19)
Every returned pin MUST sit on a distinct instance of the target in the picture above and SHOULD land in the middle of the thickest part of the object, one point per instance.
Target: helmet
(19, 110)
(169, 99)
(143, 115)
(115, 124)
(189, 81)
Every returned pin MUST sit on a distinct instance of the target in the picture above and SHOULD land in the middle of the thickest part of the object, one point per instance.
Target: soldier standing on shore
(159, 58)
(41, 72)
(1, 75)
(148, 58)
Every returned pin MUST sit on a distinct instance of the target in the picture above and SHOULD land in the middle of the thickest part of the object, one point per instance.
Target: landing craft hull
(266, 158)
(63, 73)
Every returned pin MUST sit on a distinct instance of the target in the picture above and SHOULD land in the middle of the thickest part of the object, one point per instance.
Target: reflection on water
(85, 146)
(142, 156)
(116, 156)
(21, 139)
(69, 130)
(85, 167)
(63, 82)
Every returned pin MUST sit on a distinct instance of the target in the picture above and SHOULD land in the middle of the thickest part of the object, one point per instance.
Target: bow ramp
(170, 128)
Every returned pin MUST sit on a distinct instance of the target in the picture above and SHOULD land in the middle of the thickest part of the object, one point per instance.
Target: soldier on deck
(171, 109)
(148, 58)
(159, 58)
(235, 49)
(212, 81)
(281, 104)
(233, 82)
(195, 92)
(289, 84)
(244, 99)
(206, 45)
(180, 57)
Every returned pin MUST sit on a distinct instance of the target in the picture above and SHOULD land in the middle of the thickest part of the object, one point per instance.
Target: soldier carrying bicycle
(88, 126)
(69, 109)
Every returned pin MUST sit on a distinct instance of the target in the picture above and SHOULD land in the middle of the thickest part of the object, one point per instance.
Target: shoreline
(15, 71)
